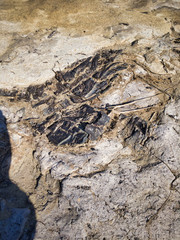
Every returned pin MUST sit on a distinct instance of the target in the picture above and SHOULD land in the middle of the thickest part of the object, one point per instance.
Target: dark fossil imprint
(65, 102)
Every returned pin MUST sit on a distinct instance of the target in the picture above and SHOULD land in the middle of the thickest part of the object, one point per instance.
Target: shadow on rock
(17, 214)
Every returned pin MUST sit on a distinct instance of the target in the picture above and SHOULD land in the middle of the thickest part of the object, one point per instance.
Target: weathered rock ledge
(92, 151)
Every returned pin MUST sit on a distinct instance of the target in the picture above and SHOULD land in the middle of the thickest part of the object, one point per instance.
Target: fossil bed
(89, 130)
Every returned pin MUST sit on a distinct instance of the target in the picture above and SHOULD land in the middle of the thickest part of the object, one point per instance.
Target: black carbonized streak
(35, 91)
(80, 137)
(102, 85)
(7, 93)
(177, 40)
(141, 125)
(114, 70)
(76, 99)
(104, 70)
(41, 127)
(69, 75)
(83, 88)
(134, 43)
(103, 119)
(59, 76)
(84, 111)
(53, 126)
(93, 131)
(94, 62)
(41, 102)
(66, 125)
(60, 88)
(58, 137)
(136, 129)
(83, 65)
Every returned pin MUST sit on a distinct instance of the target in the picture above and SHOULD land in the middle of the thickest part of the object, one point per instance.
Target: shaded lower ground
(17, 214)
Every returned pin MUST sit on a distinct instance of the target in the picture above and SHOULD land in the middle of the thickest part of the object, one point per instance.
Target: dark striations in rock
(65, 102)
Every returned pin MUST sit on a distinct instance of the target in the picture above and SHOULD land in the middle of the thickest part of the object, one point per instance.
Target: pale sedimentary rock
(91, 151)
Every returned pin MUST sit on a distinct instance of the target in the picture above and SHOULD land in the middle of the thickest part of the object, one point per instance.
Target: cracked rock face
(93, 151)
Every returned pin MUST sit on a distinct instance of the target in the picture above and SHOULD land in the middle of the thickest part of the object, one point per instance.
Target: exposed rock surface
(93, 151)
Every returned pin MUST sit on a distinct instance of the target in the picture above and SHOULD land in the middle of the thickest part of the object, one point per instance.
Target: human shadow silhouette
(17, 214)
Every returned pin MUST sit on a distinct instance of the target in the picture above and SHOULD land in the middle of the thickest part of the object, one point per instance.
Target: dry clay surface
(89, 139)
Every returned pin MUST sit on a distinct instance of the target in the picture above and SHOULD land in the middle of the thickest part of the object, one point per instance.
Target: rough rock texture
(93, 151)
